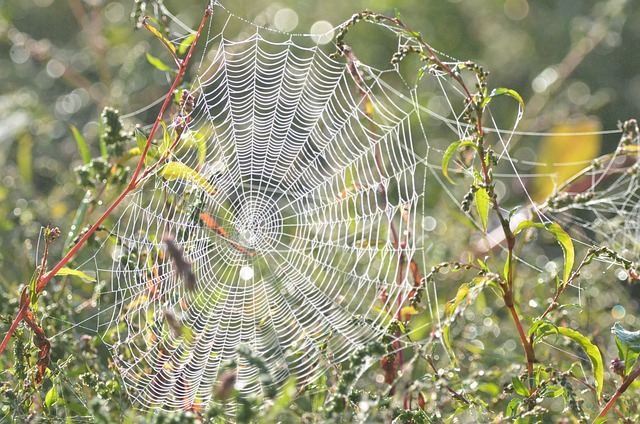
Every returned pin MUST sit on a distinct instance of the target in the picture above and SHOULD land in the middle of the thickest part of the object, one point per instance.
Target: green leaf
(176, 170)
(186, 43)
(78, 220)
(512, 407)
(166, 139)
(158, 64)
(541, 326)
(141, 141)
(446, 158)
(51, 397)
(507, 266)
(590, 349)
(628, 343)
(467, 292)
(75, 273)
(482, 205)
(554, 391)
(562, 238)
(33, 292)
(451, 150)
(82, 145)
(497, 92)
(483, 265)
(519, 387)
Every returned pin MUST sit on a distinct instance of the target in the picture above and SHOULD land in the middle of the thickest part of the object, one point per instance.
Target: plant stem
(619, 391)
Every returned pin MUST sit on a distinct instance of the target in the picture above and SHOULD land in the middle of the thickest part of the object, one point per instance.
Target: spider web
(601, 204)
(297, 219)
(297, 200)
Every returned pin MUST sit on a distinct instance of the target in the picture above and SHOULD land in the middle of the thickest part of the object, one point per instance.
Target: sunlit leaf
(158, 64)
(369, 109)
(177, 170)
(482, 205)
(590, 349)
(162, 38)
(78, 220)
(186, 43)
(446, 158)
(451, 150)
(497, 92)
(51, 398)
(166, 139)
(75, 273)
(407, 312)
(519, 387)
(563, 239)
(82, 144)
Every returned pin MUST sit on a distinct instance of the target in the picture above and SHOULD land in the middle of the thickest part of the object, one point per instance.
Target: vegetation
(515, 343)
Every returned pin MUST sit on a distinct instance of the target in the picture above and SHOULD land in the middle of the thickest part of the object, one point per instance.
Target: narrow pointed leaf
(562, 238)
(82, 145)
(446, 158)
(497, 92)
(75, 273)
(176, 170)
(519, 387)
(78, 220)
(482, 205)
(158, 64)
(590, 349)
(162, 38)
(186, 43)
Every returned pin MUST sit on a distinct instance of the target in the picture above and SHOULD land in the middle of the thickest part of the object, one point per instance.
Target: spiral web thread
(601, 204)
(305, 207)
(298, 222)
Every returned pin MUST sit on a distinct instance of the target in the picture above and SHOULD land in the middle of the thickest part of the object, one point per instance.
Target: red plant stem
(528, 348)
(19, 317)
(26, 299)
(623, 387)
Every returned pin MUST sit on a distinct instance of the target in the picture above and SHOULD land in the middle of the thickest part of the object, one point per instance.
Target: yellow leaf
(407, 312)
(369, 109)
(176, 170)
(561, 157)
